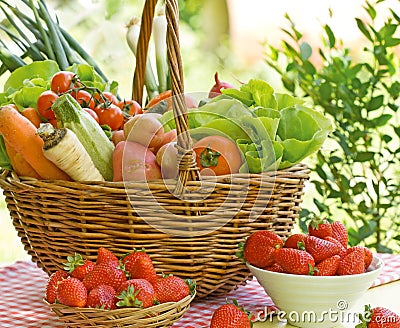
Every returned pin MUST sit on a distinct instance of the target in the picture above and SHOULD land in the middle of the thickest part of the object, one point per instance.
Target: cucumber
(71, 115)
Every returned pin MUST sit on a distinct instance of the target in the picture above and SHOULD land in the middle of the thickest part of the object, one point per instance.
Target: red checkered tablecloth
(22, 286)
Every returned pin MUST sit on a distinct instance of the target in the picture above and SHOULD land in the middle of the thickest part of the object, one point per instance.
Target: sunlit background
(216, 35)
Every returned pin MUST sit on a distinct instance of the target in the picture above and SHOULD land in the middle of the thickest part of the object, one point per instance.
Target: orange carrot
(32, 115)
(166, 95)
(19, 164)
(20, 133)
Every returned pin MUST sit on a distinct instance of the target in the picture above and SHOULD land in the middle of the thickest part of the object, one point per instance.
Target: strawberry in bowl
(309, 276)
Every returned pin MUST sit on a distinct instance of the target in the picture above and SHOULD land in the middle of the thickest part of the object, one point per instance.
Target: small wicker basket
(157, 316)
(190, 227)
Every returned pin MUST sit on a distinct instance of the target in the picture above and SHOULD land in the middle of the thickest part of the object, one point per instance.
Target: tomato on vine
(84, 98)
(131, 107)
(62, 81)
(110, 115)
(106, 95)
(44, 103)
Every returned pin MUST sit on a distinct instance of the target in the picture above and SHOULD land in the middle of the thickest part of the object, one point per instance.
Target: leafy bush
(357, 179)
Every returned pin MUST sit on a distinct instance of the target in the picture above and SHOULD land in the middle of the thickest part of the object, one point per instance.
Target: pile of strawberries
(111, 283)
(324, 251)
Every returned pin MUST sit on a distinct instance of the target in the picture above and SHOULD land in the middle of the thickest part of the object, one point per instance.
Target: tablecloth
(22, 286)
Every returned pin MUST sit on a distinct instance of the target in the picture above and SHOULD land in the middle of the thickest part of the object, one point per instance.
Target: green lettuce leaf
(35, 72)
(302, 131)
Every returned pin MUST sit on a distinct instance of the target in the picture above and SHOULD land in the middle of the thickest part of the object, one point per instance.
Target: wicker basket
(190, 227)
(158, 316)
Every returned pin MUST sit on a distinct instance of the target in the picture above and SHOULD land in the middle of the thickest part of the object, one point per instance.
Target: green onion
(132, 37)
(52, 42)
(160, 35)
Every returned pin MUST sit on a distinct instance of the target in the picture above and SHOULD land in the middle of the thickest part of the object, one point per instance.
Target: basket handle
(188, 170)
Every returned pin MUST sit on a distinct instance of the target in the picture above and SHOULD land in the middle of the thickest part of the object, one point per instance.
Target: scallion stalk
(132, 37)
(160, 43)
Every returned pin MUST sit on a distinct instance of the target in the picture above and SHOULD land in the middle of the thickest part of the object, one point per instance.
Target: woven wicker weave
(158, 316)
(189, 227)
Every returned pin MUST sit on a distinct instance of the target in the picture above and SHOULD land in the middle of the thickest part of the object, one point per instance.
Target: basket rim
(155, 308)
(298, 170)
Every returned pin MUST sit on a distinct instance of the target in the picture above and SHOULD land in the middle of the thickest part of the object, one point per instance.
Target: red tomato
(92, 113)
(53, 122)
(110, 115)
(130, 106)
(61, 82)
(217, 155)
(44, 103)
(84, 98)
(107, 95)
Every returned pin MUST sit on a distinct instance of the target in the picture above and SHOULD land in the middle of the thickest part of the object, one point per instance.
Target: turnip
(167, 159)
(145, 129)
(133, 161)
(216, 89)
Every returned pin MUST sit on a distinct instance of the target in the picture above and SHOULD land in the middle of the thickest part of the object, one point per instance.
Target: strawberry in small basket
(111, 283)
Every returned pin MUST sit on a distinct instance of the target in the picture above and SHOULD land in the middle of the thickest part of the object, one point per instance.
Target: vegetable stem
(160, 35)
(132, 37)
(45, 37)
(60, 52)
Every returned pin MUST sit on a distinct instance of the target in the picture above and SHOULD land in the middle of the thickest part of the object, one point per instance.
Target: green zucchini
(71, 115)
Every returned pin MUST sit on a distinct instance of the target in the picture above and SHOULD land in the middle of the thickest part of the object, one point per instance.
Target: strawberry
(367, 254)
(52, 284)
(104, 273)
(71, 292)
(340, 233)
(320, 228)
(352, 263)
(295, 241)
(320, 249)
(230, 315)
(140, 266)
(259, 248)
(137, 293)
(106, 256)
(172, 289)
(378, 317)
(102, 296)
(342, 250)
(78, 267)
(327, 267)
(294, 261)
(274, 268)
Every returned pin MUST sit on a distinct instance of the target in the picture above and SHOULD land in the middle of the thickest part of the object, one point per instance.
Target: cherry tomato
(84, 98)
(132, 107)
(92, 113)
(53, 122)
(110, 115)
(108, 95)
(44, 103)
(217, 155)
(61, 81)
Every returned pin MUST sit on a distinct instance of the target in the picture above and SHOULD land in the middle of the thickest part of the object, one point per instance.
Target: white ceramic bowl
(316, 302)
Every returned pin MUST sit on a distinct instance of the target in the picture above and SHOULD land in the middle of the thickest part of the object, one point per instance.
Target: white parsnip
(63, 148)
